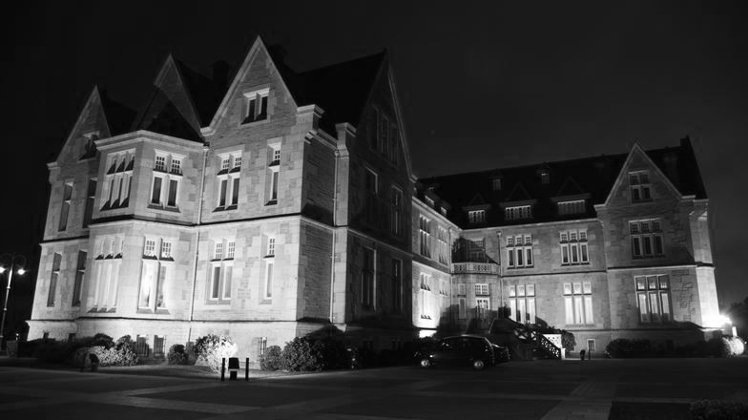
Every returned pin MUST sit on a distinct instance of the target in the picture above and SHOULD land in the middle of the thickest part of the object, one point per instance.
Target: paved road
(533, 390)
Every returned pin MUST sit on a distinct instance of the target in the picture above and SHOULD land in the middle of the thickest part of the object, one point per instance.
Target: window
(639, 186)
(67, 195)
(425, 297)
(646, 238)
(271, 247)
(109, 252)
(117, 180)
(477, 216)
(53, 278)
(221, 271)
(89, 147)
(368, 278)
(476, 250)
(158, 345)
(397, 285)
(481, 289)
(483, 306)
(522, 303)
(424, 233)
(371, 188)
(425, 281)
(228, 180)
(574, 247)
(80, 273)
(519, 251)
(461, 289)
(567, 208)
(462, 308)
(396, 212)
(90, 200)
(545, 177)
(518, 212)
(269, 267)
(157, 264)
(496, 184)
(442, 245)
(256, 106)
(653, 298)
(578, 303)
(273, 173)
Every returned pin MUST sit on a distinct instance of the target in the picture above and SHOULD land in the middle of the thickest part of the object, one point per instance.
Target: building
(283, 202)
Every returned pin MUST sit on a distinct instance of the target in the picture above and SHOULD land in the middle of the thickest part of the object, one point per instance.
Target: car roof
(454, 337)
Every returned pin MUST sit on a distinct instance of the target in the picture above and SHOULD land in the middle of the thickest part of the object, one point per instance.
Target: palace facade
(284, 202)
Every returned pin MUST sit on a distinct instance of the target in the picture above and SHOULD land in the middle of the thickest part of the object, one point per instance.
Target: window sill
(170, 209)
(102, 310)
(266, 301)
(574, 264)
(219, 302)
(150, 311)
(271, 203)
(246, 123)
(520, 268)
(227, 208)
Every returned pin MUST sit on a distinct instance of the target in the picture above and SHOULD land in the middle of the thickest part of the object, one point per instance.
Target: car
(501, 353)
(469, 350)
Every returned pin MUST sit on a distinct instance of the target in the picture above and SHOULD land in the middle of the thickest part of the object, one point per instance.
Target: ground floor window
(578, 303)
(522, 303)
(653, 298)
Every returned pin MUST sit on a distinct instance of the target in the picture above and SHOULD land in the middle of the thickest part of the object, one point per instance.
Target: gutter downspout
(334, 236)
(197, 239)
(501, 271)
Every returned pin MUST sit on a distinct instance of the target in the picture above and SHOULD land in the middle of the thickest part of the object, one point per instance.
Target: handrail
(549, 347)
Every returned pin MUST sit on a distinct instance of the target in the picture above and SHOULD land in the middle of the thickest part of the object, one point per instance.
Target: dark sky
(483, 84)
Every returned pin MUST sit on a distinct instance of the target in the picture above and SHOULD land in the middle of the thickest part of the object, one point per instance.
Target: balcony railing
(475, 268)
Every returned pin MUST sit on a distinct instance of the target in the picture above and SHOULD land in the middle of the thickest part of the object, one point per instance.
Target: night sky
(482, 85)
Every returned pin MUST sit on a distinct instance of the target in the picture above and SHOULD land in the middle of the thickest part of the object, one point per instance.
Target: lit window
(53, 279)
(272, 174)
(566, 208)
(165, 184)
(481, 289)
(106, 272)
(228, 180)
(80, 273)
(221, 271)
(424, 233)
(522, 303)
(653, 298)
(578, 303)
(477, 216)
(115, 191)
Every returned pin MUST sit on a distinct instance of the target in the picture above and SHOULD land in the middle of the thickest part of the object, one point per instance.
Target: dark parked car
(474, 351)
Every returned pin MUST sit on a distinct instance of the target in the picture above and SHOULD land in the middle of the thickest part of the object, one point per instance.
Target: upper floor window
(518, 212)
(545, 176)
(228, 180)
(396, 212)
(53, 279)
(67, 195)
(117, 180)
(89, 147)
(477, 216)
(269, 268)
(566, 208)
(476, 250)
(653, 298)
(256, 106)
(640, 186)
(481, 289)
(273, 172)
(646, 238)
(519, 251)
(574, 248)
(443, 245)
(368, 278)
(167, 175)
(371, 187)
(496, 184)
(109, 252)
(424, 233)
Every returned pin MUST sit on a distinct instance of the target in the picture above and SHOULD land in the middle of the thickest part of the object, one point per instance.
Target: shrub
(568, 341)
(211, 349)
(79, 356)
(121, 354)
(271, 359)
(624, 348)
(177, 355)
(718, 410)
(717, 347)
(333, 353)
(300, 355)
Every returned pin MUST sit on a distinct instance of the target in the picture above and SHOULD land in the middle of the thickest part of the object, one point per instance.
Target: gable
(91, 125)
(170, 109)
(649, 181)
(258, 73)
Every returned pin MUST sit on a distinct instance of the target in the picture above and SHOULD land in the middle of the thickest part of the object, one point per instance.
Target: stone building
(278, 203)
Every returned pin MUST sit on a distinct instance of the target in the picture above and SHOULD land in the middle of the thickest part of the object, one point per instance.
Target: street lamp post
(20, 271)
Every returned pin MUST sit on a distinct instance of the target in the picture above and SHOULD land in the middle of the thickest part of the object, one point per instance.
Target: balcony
(475, 268)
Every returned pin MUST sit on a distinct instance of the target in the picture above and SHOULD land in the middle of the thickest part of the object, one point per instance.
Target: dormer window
(477, 216)
(545, 176)
(496, 184)
(639, 186)
(89, 149)
(518, 212)
(566, 208)
(257, 106)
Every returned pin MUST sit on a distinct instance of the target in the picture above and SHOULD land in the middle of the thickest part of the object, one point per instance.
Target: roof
(591, 178)
(118, 116)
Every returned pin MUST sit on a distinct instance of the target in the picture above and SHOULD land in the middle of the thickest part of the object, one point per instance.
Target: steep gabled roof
(594, 176)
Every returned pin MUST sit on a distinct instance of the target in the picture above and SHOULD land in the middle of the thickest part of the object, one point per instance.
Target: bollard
(233, 368)
(223, 369)
(246, 369)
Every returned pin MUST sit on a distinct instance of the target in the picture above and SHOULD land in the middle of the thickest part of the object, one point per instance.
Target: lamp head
(21, 271)
(2, 269)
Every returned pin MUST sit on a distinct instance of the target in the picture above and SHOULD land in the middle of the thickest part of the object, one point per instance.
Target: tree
(738, 313)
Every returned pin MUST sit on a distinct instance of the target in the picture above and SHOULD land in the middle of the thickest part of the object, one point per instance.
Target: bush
(177, 355)
(211, 349)
(333, 353)
(718, 410)
(300, 355)
(624, 348)
(79, 356)
(122, 353)
(568, 341)
(271, 359)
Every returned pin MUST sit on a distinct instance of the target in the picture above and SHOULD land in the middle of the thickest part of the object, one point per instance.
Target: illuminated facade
(281, 202)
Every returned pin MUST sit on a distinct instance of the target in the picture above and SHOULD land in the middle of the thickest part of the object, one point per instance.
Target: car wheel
(478, 364)
(425, 363)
